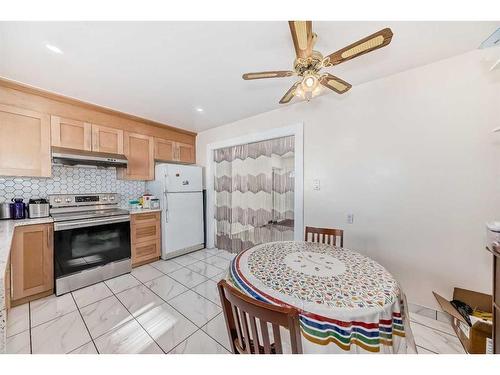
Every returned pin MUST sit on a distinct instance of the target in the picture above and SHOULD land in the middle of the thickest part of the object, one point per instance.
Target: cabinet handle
(49, 238)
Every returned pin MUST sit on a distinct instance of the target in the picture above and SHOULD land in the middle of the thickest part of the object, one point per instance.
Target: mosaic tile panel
(70, 180)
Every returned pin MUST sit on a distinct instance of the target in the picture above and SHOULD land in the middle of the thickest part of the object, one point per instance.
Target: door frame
(297, 130)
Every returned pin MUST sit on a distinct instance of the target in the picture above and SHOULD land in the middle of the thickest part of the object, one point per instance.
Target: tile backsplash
(70, 180)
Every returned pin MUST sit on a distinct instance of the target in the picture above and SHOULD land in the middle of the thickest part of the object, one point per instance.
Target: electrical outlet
(350, 218)
(316, 184)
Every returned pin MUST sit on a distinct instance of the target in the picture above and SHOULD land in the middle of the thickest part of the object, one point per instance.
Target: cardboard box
(474, 339)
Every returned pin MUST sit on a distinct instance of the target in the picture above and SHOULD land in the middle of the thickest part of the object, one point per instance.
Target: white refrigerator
(179, 188)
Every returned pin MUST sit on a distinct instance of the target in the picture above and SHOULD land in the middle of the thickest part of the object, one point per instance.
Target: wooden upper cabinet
(166, 150)
(25, 142)
(106, 139)
(139, 150)
(71, 133)
(185, 153)
(32, 261)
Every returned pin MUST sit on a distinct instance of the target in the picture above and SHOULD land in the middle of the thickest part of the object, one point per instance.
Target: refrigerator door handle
(166, 206)
(166, 199)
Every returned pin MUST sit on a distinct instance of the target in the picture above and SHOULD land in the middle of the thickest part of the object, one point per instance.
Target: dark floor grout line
(213, 338)
(206, 333)
(57, 317)
(85, 323)
(432, 351)
(165, 301)
(133, 317)
(183, 341)
(196, 325)
(145, 330)
(434, 329)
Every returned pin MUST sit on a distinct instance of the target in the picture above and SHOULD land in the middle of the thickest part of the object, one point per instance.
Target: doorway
(255, 190)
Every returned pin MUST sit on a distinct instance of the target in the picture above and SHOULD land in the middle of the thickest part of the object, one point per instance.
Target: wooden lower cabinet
(145, 238)
(31, 263)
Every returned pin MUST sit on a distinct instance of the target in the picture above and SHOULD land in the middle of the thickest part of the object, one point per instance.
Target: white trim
(296, 130)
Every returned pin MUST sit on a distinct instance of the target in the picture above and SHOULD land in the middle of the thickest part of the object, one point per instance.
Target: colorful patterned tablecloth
(348, 303)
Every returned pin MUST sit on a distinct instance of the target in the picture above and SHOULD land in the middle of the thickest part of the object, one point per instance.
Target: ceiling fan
(308, 63)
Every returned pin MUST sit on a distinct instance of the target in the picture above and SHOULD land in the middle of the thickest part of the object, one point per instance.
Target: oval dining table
(347, 302)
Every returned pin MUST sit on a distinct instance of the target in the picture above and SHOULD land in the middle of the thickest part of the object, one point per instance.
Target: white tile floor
(164, 307)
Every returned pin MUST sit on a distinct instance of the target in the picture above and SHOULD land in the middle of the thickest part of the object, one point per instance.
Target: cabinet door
(25, 142)
(145, 251)
(145, 227)
(164, 149)
(145, 232)
(185, 153)
(106, 139)
(32, 260)
(70, 133)
(139, 150)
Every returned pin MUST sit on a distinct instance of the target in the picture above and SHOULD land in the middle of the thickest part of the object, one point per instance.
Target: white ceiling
(163, 71)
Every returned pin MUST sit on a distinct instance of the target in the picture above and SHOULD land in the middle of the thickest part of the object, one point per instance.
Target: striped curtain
(254, 194)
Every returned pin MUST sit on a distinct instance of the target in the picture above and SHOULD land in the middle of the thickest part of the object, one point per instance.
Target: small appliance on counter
(18, 209)
(38, 207)
(154, 204)
(5, 211)
(146, 200)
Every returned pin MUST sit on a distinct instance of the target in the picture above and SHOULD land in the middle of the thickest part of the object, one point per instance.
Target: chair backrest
(327, 236)
(241, 314)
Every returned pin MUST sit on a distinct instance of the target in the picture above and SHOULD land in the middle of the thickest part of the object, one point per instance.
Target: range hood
(68, 156)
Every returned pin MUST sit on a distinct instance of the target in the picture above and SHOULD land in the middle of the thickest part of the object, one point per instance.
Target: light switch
(316, 185)
(350, 218)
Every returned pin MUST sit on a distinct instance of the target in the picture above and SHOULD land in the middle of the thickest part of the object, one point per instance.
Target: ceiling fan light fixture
(310, 82)
(309, 86)
(308, 62)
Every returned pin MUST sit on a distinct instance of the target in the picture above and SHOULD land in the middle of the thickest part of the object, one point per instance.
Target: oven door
(84, 244)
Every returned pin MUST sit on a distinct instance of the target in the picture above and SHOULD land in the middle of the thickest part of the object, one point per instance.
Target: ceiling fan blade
(289, 94)
(272, 74)
(334, 83)
(303, 37)
(370, 43)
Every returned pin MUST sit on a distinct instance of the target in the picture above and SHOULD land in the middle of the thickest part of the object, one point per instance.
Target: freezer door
(182, 222)
(183, 178)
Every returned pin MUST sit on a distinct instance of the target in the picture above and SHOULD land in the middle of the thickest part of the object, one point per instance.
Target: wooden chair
(241, 312)
(327, 236)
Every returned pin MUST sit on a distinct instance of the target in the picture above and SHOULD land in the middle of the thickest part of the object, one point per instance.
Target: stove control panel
(75, 200)
(87, 198)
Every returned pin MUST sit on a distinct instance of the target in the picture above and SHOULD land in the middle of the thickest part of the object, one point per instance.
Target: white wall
(412, 156)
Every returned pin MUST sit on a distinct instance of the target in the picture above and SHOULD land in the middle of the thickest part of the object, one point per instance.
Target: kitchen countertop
(6, 233)
(136, 211)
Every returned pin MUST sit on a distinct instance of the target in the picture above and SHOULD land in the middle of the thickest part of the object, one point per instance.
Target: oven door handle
(90, 222)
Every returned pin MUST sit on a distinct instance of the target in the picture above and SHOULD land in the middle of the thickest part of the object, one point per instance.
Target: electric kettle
(18, 209)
